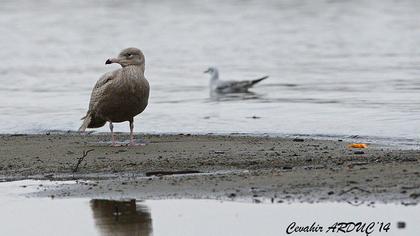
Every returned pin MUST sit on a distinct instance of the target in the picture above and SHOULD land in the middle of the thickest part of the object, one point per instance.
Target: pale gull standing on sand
(119, 95)
(220, 86)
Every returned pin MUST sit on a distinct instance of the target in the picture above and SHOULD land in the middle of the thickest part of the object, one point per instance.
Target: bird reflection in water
(121, 217)
(220, 97)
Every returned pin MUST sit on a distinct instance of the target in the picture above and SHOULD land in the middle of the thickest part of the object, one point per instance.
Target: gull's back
(229, 86)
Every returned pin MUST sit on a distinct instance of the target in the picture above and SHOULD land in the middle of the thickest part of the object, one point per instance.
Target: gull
(119, 95)
(220, 86)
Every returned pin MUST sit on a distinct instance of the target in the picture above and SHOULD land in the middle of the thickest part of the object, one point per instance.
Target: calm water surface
(44, 216)
(336, 67)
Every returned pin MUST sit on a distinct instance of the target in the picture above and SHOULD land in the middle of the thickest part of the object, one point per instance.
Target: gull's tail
(258, 80)
(89, 121)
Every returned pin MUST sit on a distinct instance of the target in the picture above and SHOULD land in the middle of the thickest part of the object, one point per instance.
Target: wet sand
(222, 167)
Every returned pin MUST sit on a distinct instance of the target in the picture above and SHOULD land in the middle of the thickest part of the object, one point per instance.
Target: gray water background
(337, 68)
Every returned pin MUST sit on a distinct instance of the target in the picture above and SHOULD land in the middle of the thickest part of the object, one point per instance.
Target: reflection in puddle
(121, 217)
(186, 217)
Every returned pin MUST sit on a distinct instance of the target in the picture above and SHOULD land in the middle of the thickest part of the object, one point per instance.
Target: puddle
(124, 143)
(24, 215)
(138, 175)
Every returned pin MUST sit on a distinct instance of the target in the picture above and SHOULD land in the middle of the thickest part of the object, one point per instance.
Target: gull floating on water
(220, 86)
(119, 95)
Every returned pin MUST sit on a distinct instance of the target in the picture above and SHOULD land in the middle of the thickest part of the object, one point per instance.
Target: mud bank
(217, 167)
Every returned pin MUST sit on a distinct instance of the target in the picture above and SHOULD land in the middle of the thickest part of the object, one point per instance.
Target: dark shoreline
(383, 142)
(230, 166)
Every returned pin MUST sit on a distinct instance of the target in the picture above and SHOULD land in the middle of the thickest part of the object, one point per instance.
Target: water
(336, 67)
(45, 216)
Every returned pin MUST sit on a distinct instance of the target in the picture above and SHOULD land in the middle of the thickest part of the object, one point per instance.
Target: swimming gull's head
(213, 72)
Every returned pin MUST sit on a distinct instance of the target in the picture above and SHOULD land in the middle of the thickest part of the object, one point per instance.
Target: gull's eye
(129, 55)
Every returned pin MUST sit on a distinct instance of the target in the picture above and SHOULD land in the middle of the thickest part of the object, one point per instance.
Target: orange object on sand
(358, 145)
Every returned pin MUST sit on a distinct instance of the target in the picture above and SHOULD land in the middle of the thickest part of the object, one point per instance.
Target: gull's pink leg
(132, 141)
(111, 127)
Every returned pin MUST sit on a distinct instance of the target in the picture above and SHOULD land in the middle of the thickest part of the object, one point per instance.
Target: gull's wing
(99, 88)
(236, 86)
(90, 120)
(233, 86)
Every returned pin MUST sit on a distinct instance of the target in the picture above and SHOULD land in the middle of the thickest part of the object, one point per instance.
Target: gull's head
(212, 71)
(128, 57)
